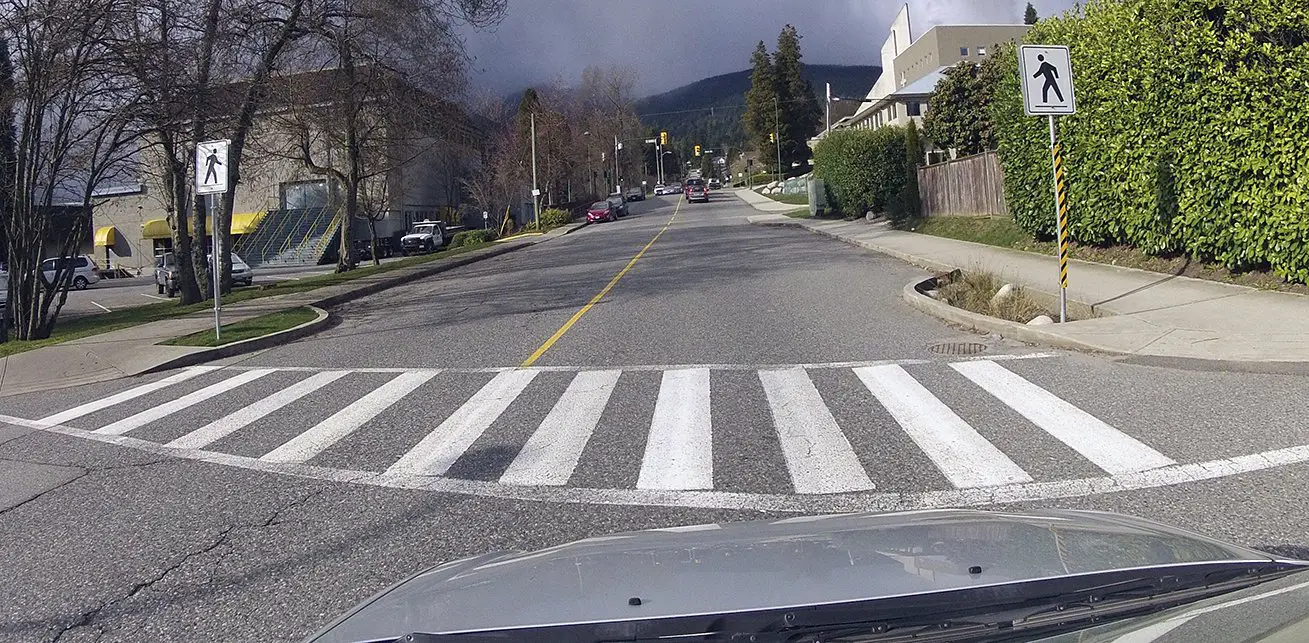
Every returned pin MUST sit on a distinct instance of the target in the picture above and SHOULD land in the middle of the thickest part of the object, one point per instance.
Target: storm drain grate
(958, 348)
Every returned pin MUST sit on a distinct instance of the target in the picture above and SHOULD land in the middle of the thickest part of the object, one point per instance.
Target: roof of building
(921, 87)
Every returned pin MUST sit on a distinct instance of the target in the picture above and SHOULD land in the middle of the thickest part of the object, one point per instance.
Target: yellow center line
(596, 299)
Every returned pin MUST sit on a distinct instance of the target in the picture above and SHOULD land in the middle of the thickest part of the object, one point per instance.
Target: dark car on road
(619, 203)
(696, 190)
(601, 211)
(635, 194)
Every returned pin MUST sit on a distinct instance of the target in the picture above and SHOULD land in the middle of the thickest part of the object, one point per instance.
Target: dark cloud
(673, 42)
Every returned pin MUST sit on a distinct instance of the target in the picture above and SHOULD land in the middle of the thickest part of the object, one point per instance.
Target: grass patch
(793, 199)
(248, 329)
(798, 214)
(80, 327)
(1003, 232)
(974, 291)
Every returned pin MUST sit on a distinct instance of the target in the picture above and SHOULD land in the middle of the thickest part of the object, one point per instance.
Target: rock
(773, 185)
(1040, 320)
(933, 293)
(1006, 291)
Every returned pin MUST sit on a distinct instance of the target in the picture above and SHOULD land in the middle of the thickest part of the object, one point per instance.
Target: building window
(915, 108)
(981, 51)
(305, 194)
(963, 51)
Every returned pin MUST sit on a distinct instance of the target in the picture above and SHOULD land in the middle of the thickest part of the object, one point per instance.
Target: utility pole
(536, 191)
(828, 130)
(618, 188)
(777, 134)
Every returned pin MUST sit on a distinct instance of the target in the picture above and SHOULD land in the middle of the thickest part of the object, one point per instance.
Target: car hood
(759, 565)
(417, 236)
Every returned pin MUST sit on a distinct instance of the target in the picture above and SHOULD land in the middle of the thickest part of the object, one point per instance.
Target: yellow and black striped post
(1061, 219)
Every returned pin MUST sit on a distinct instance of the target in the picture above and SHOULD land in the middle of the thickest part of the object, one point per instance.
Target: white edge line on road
(839, 503)
(153, 296)
(660, 367)
(101, 307)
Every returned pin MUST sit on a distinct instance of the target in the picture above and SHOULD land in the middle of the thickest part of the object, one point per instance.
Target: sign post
(211, 181)
(1046, 75)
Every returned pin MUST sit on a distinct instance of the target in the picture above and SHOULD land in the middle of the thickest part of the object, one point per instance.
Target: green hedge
(472, 237)
(554, 217)
(1192, 131)
(864, 170)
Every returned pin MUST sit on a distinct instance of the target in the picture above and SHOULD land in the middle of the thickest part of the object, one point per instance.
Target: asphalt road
(732, 373)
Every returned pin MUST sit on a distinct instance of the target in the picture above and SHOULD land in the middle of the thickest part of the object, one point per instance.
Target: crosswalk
(824, 445)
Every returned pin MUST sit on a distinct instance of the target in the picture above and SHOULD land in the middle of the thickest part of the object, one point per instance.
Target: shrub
(554, 217)
(1203, 149)
(863, 169)
(472, 237)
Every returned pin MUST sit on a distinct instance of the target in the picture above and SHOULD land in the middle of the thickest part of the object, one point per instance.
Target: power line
(710, 109)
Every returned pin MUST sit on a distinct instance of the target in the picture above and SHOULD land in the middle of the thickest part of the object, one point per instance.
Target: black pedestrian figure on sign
(1050, 73)
(212, 162)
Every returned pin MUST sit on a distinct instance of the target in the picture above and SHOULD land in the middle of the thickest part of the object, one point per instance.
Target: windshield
(618, 313)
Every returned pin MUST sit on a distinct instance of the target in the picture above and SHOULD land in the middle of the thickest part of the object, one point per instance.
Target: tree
(958, 113)
(761, 102)
(801, 115)
(1029, 16)
(909, 205)
(70, 119)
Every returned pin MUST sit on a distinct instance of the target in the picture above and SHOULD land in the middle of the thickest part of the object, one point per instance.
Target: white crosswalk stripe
(965, 457)
(1107, 447)
(434, 455)
(678, 452)
(346, 421)
(130, 394)
(552, 452)
(818, 455)
(168, 408)
(225, 426)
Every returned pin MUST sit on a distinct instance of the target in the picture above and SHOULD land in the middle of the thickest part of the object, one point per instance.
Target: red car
(601, 211)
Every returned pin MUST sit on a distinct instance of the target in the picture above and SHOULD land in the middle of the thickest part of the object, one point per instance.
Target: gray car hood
(759, 565)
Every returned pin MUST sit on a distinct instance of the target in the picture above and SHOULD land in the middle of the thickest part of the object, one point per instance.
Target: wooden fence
(968, 186)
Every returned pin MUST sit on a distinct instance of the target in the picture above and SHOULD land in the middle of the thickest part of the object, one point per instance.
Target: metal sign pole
(1061, 219)
(215, 269)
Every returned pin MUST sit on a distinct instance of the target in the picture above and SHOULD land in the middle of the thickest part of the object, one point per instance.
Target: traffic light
(697, 150)
(772, 138)
(663, 138)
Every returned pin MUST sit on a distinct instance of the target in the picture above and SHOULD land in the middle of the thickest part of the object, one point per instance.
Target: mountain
(708, 111)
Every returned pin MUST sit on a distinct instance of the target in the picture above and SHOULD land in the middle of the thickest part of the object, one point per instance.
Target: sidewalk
(765, 204)
(136, 350)
(1153, 317)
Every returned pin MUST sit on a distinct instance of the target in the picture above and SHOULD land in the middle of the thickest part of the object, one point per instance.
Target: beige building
(911, 67)
(284, 213)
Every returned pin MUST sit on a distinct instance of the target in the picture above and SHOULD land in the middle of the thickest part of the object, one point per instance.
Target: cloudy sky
(673, 42)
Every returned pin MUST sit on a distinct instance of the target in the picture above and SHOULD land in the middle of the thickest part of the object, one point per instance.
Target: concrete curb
(247, 345)
(419, 272)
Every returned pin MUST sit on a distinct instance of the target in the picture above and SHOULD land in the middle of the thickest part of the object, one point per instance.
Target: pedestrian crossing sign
(211, 167)
(1046, 75)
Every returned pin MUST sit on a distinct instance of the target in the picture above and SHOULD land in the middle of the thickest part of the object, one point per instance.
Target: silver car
(166, 273)
(78, 272)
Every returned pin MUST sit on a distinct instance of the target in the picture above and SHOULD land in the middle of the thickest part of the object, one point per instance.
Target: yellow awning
(242, 223)
(106, 237)
(245, 222)
(156, 229)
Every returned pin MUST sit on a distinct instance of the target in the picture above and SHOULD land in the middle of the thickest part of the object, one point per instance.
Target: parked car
(166, 281)
(601, 211)
(79, 272)
(635, 194)
(659, 189)
(673, 188)
(715, 184)
(427, 236)
(364, 248)
(619, 204)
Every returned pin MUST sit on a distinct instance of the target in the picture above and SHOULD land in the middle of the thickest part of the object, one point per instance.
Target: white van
(79, 271)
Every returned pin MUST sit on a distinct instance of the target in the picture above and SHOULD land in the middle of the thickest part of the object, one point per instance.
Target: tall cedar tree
(801, 115)
(1029, 17)
(7, 163)
(760, 117)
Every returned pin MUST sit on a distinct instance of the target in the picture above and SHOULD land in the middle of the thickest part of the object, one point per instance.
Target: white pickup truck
(427, 236)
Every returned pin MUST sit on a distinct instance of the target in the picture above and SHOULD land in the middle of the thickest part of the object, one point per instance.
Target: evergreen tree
(1030, 18)
(801, 115)
(759, 118)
